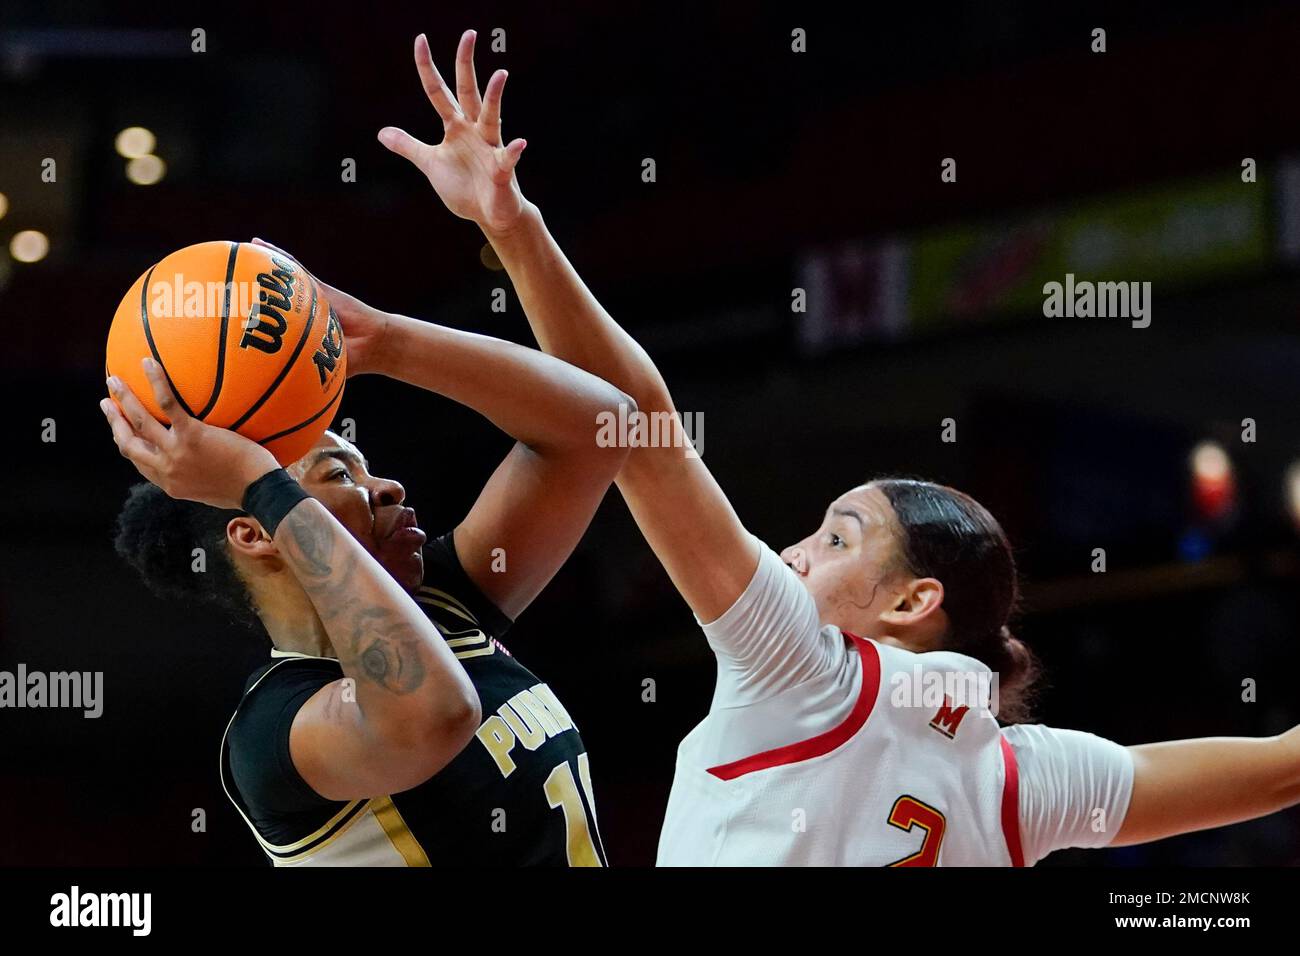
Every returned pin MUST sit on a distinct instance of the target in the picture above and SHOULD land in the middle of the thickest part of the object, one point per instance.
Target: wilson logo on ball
(264, 330)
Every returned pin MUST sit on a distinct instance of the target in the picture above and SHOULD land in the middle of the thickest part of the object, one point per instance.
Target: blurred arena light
(145, 170)
(4, 205)
(134, 142)
(1213, 483)
(1293, 492)
(1194, 545)
(30, 245)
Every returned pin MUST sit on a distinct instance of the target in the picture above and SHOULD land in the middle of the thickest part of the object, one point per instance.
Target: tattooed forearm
(386, 651)
(375, 642)
(311, 541)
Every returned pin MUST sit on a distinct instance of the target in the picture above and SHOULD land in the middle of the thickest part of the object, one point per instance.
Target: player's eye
(836, 540)
(336, 475)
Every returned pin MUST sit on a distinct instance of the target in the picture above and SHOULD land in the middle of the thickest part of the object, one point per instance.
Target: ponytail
(945, 534)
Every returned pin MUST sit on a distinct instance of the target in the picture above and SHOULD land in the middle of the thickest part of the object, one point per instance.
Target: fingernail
(112, 383)
(103, 405)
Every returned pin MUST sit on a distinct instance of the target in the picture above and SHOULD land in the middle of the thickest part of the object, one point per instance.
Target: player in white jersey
(827, 748)
(806, 756)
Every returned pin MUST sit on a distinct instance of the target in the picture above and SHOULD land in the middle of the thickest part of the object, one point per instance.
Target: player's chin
(403, 559)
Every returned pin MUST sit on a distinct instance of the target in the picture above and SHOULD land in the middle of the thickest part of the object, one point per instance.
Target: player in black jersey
(390, 727)
(519, 794)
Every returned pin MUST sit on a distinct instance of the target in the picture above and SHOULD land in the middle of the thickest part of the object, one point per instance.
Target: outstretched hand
(470, 170)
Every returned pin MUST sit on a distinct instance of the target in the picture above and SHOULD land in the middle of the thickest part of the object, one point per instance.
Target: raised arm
(541, 498)
(1180, 786)
(410, 707)
(678, 505)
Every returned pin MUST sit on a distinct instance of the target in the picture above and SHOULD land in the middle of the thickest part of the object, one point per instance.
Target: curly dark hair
(157, 535)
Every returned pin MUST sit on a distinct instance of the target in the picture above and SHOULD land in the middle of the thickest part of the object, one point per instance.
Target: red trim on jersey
(822, 743)
(1011, 803)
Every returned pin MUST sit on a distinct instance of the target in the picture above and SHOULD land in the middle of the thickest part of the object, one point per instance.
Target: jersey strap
(823, 743)
(1011, 802)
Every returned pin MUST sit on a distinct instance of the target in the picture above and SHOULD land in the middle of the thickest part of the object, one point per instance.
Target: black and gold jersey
(519, 794)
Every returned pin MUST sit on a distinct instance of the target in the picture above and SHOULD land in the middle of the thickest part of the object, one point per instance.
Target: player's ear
(919, 599)
(246, 536)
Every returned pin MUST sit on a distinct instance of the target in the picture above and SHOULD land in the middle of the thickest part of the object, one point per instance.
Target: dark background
(1074, 432)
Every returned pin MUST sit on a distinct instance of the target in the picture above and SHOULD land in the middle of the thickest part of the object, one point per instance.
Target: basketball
(245, 337)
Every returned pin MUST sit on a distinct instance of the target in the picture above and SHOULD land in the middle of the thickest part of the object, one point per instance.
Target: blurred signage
(1173, 236)
(855, 292)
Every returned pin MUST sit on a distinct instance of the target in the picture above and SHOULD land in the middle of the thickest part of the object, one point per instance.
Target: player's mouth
(405, 531)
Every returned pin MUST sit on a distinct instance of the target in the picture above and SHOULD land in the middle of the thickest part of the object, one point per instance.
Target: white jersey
(827, 749)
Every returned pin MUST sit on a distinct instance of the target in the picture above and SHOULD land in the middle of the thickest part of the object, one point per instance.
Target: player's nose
(386, 491)
(796, 558)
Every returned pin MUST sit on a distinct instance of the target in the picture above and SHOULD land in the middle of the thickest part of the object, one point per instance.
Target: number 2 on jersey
(909, 813)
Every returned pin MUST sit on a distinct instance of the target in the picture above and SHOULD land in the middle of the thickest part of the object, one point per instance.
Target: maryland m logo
(949, 718)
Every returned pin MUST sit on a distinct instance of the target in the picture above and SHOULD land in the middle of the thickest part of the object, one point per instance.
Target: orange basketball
(246, 338)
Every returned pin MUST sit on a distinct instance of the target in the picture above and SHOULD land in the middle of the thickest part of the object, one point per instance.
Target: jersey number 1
(562, 791)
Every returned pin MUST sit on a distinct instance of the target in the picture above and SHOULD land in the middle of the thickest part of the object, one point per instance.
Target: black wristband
(272, 497)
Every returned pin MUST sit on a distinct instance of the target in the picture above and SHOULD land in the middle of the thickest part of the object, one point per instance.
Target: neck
(289, 617)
